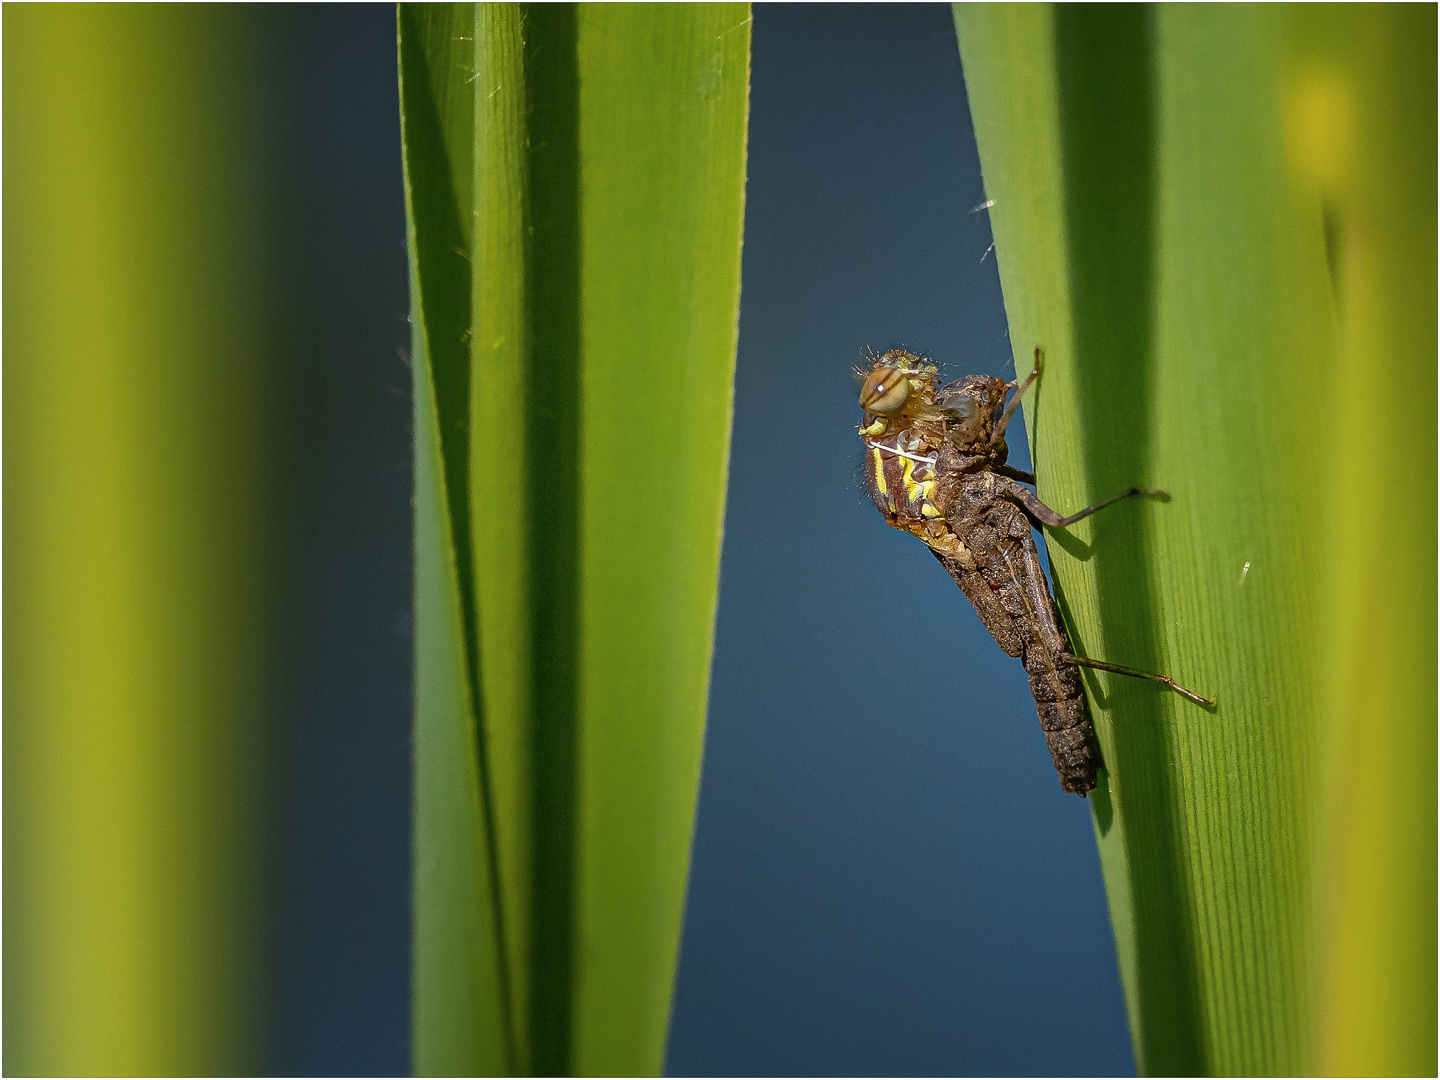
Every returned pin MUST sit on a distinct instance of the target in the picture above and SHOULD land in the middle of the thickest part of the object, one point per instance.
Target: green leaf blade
(458, 988)
(663, 178)
(603, 279)
(459, 1003)
(1161, 232)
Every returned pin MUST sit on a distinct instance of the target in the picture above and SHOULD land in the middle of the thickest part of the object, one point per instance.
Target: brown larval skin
(935, 467)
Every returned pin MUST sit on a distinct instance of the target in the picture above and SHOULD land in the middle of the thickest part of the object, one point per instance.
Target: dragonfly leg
(1016, 474)
(1152, 676)
(1014, 402)
(1043, 514)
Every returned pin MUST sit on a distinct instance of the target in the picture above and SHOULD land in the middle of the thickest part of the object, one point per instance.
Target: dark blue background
(887, 877)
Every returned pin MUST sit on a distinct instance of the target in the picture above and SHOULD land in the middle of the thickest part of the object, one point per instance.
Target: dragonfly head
(885, 391)
(897, 379)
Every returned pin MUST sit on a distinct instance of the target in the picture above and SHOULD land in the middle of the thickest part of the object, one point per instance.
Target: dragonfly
(935, 467)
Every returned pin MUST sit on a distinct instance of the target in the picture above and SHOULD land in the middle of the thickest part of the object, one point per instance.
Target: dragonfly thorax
(971, 407)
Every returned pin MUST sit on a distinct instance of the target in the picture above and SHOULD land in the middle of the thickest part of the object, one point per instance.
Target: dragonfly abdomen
(1002, 545)
(1064, 718)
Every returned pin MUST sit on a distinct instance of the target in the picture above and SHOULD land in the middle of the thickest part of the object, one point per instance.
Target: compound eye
(885, 391)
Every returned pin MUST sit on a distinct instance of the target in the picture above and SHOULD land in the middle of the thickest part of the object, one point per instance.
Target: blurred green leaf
(1162, 231)
(1360, 105)
(574, 363)
(136, 469)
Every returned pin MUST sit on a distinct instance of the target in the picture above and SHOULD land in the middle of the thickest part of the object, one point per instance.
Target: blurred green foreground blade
(575, 178)
(136, 463)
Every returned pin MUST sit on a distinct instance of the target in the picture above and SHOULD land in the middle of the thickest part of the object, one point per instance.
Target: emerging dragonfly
(935, 467)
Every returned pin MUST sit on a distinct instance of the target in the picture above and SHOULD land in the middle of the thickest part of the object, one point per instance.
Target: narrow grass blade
(460, 1021)
(459, 1013)
(663, 176)
(583, 410)
(1162, 235)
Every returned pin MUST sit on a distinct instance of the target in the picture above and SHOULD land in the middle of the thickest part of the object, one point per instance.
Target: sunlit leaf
(576, 294)
(1223, 319)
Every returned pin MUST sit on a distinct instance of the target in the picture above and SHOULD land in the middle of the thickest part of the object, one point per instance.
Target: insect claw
(1199, 699)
